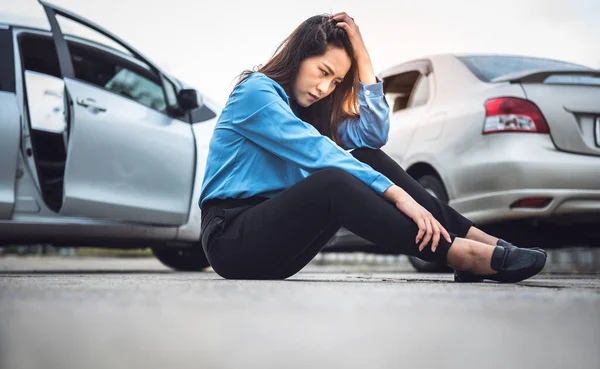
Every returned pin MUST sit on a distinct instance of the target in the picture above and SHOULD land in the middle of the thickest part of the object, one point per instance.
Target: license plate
(597, 131)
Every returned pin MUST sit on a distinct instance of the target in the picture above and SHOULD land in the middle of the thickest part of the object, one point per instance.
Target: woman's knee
(366, 153)
(376, 158)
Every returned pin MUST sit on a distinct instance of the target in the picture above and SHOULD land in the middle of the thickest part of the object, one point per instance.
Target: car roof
(428, 63)
(435, 57)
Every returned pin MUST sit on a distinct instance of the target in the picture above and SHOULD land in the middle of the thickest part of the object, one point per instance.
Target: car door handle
(88, 102)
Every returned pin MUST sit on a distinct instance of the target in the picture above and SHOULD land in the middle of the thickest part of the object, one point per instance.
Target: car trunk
(570, 102)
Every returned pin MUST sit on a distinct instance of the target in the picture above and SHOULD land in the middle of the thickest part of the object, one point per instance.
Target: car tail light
(511, 114)
(532, 203)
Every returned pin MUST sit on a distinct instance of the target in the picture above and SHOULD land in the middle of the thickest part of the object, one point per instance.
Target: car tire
(423, 266)
(190, 259)
(435, 187)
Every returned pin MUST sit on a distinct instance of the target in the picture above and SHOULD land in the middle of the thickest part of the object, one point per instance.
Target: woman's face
(319, 75)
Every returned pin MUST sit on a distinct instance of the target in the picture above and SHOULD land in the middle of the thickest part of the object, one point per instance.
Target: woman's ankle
(476, 234)
(471, 256)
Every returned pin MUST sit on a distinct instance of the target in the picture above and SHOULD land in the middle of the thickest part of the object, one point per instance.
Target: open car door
(129, 157)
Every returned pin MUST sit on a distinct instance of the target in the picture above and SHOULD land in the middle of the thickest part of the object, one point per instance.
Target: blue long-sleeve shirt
(260, 147)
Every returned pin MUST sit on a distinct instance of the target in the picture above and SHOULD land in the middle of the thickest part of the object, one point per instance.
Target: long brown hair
(312, 38)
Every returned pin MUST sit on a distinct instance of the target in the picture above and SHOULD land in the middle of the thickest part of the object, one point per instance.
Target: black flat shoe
(515, 265)
(467, 277)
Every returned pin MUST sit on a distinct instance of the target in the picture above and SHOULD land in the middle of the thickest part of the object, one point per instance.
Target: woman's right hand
(429, 227)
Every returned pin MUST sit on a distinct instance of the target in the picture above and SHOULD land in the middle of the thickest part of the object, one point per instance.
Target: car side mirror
(187, 99)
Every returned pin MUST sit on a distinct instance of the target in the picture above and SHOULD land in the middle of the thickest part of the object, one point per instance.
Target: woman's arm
(372, 127)
(263, 117)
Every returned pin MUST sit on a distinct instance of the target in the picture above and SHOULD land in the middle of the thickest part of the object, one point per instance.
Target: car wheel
(435, 187)
(423, 266)
(190, 259)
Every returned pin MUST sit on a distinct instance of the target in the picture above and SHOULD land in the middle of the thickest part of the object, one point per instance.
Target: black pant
(261, 238)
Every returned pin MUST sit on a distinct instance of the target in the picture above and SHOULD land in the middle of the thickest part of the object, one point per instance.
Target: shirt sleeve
(372, 127)
(265, 119)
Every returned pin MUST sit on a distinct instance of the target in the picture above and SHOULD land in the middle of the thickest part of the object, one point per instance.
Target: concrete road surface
(133, 313)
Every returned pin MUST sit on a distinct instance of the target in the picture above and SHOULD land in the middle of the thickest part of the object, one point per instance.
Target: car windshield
(490, 67)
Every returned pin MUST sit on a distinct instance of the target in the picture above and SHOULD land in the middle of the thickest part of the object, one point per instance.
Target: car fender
(437, 165)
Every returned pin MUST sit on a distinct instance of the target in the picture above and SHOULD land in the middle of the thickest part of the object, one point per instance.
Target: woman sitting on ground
(280, 183)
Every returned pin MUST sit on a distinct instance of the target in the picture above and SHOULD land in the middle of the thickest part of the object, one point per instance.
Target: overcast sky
(207, 43)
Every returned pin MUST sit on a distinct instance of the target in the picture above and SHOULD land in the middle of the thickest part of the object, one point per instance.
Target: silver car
(511, 142)
(98, 146)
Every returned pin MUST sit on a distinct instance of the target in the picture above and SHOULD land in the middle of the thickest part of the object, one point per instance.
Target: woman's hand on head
(365, 68)
(429, 228)
(345, 22)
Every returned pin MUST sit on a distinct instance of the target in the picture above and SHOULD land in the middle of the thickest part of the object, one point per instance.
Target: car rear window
(490, 67)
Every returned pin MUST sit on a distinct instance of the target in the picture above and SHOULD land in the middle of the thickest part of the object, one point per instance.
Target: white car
(98, 146)
(511, 142)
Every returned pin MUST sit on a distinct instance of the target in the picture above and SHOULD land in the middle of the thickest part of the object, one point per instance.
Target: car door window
(45, 101)
(102, 61)
(397, 89)
(420, 93)
(117, 74)
(134, 86)
(44, 87)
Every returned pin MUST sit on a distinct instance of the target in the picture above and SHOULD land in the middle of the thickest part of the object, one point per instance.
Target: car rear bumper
(511, 168)
(495, 207)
